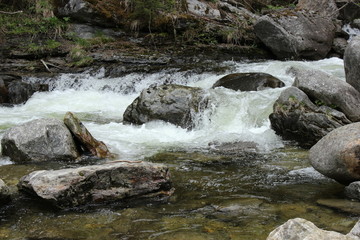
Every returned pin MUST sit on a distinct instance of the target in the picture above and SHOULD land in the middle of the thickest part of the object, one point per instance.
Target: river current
(216, 197)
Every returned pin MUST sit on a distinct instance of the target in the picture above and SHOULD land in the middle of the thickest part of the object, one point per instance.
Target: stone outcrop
(249, 81)
(4, 192)
(112, 181)
(39, 140)
(14, 91)
(172, 103)
(323, 8)
(352, 62)
(337, 154)
(296, 117)
(300, 229)
(329, 90)
(82, 136)
(296, 35)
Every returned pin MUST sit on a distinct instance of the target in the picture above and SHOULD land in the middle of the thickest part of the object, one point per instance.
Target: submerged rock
(249, 81)
(337, 154)
(39, 140)
(4, 192)
(296, 35)
(172, 103)
(296, 117)
(300, 229)
(343, 205)
(325, 89)
(351, 63)
(113, 181)
(86, 141)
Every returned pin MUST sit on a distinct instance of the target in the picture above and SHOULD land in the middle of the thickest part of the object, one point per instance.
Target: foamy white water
(100, 102)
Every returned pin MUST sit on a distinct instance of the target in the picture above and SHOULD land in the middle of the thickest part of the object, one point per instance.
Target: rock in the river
(296, 35)
(87, 142)
(337, 155)
(4, 192)
(14, 91)
(113, 181)
(295, 117)
(300, 229)
(353, 190)
(172, 103)
(352, 63)
(329, 90)
(39, 140)
(249, 81)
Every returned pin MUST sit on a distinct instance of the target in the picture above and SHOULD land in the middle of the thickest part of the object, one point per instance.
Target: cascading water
(100, 103)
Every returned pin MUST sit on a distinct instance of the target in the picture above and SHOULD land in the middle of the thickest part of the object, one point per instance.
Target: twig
(11, 13)
(44, 63)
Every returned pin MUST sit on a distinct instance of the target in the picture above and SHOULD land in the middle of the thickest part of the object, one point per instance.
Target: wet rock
(342, 205)
(81, 11)
(323, 88)
(353, 190)
(323, 8)
(14, 91)
(337, 154)
(86, 141)
(85, 31)
(339, 46)
(4, 192)
(299, 229)
(172, 103)
(112, 181)
(249, 81)
(296, 117)
(39, 140)
(296, 35)
(351, 62)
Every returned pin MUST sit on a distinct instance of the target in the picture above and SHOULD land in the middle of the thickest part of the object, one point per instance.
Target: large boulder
(248, 81)
(352, 63)
(39, 140)
(296, 35)
(86, 141)
(112, 181)
(172, 103)
(323, 88)
(337, 154)
(296, 117)
(14, 91)
(4, 192)
(300, 229)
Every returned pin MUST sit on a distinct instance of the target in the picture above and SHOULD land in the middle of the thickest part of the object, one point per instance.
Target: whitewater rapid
(100, 103)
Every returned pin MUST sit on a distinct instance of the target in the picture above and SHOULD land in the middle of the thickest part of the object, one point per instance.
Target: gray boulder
(296, 35)
(4, 192)
(296, 118)
(175, 104)
(337, 154)
(39, 140)
(353, 190)
(82, 11)
(300, 229)
(249, 81)
(329, 90)
(112, 181)
(339, 46)
(352, 63)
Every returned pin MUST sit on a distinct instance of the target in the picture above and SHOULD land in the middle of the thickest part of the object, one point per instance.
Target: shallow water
(217, 196)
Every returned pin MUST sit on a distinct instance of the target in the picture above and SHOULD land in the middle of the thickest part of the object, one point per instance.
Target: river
(216, 196)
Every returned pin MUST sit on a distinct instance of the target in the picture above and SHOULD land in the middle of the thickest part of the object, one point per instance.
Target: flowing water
(217, 196)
